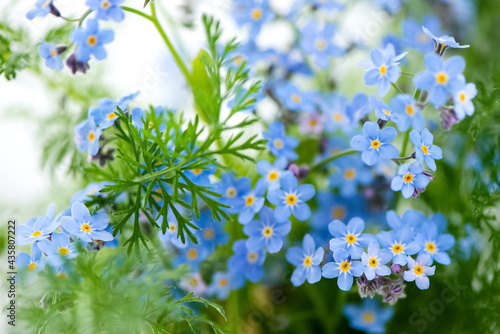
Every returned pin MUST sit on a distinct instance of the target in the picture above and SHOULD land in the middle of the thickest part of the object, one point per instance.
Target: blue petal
(345, 281)
(331, 270)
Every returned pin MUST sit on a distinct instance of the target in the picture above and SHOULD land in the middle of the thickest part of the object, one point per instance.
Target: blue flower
(199, 176)
(249, 203)
(334, 107)
(211, 233)
(43, 8)
(266, 232)
(399, 242)
(279, 143)
(415, 38)
(223, 283)
(424, 150)
(86, 227)
(58, 249)
(418, 270)
(247, 262)
(87, 137)
(231, 189)
(444, 41)
(291, 199)
(343, 268)
(107, 9)
(307, 260)
(172, 232)
(91, 40)
(375, 143)
(193, 255)
(441, 78)
(244, 101)
(93, 189)
(48, 51)
(383, 69)
(358, 108)
(382, 110)
(410, 177)
(409, 112)
(294, 98)
(272, 174)
(36, 230)
(374, 260)
(33, 262)
(368, 317)
(434, 244)
(317, 41)
(104, 115)
(252, 12)
(349, 237)
(392, 6)
(350, 173)
(462, 98)
(328, 5)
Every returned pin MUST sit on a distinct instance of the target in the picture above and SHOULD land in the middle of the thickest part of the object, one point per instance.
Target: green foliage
(12, 55)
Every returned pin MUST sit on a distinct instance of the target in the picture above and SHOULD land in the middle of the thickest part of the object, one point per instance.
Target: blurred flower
(33, 262)
(107, 9)
(462, 98)
(382, 110)
(409, 113)
(49, 52)
(317, 41)
(43, 8)
(368, 317)
(279, 143)
(350, 173)
(247, 262)
(415, 38)
(87, 136)
(294, 98)
(272, 173)
(249, 203)
(223, 283)
(307, 260)
(252, 12)
(311, 123)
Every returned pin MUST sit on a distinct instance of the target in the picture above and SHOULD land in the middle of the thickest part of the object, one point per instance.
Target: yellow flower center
(296, 98)
(105, 4)
(192, 254)
(320, 44)
(86, 228)
(375, 144)
(63, 251)
(53, 53)
(252, 257)
(256, 14)
(237, 60)
(278, 143)
(273, 176)
(397, 248)
(249, 200)
(111, 115)
(150, 125)
(337, 117)
(368, 317)
(91, 136)
(92, 40)
(373, 262)
(387, 112)
(351, 238)
(308, 261)
(230, 192)
(291, 199)
(267, 232)
(345, 266)
(32, 266)
(423, 38)
(45, 3)
(197, 171)
(338, 212)
(408, 178)
(409, 110)
(61, 275)
(349, 173)
(36, 234)
(425, 149)
(383, 70)
(223, 282)
(430, 247)
(172, 227)
(193, 282)
(418, 270)
(441, 78)
(209, 233)
(462, 97)
(313, 122)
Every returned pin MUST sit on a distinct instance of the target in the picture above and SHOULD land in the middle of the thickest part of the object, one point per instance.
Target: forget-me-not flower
(90, 41)
(400, 243)
(424, 149)
(409, 113)
(374, 260)
(107, 9)
(307, 260)
(317, 41)
(86, 227)
(43, 8)
(368, 317)
(462, 98)
(279, 143)
(443, 42)
(410, 177)
(58, 248)
(48, 51)
(246, 261)
(382, 110)
(272, 173)
(349, 237)
(87, 136)
(291, 199)
(33, 262)
(418, 270)
(294, 98)
(343, 268)
(435, 244)
(375, 143)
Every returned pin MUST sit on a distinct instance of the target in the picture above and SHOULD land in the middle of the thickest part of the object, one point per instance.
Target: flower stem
(397, 88)
(333, 158)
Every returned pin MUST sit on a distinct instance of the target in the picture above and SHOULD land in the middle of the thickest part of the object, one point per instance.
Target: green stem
(332, 158)
(405, 142)
(83, 17)
(397, 88)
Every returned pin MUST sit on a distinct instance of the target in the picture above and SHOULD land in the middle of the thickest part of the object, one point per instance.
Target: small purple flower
(343, 268)
(311, 123)
(375, 143)
(307, 260)
(383, 69)
(86, 227)
(410, 177)
(418, 270)
(424, 150)
(349, 237)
